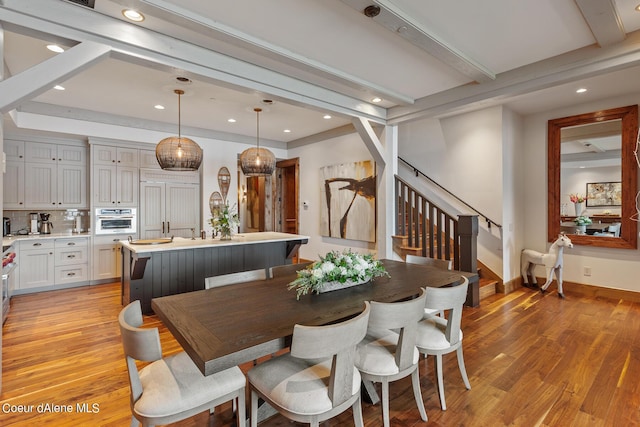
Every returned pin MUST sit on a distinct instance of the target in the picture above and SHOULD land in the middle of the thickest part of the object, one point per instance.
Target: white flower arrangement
(225, 221)
(337, 267)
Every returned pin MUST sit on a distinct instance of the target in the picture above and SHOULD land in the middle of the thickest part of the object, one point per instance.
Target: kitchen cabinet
(36, 263)
(71, 260)
(14, 150)
(107, 262)
(148, 159)
(115, 176)
(115, 156)
(45, 176)
(169, 209)
(13, 196)
(46, 263)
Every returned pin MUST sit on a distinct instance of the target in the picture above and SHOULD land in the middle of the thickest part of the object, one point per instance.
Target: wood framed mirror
(628, 125)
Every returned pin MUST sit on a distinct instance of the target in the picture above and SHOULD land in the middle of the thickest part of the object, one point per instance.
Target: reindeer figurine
(552, 262)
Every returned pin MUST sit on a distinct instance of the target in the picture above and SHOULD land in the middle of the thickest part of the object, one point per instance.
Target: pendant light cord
(258, 110)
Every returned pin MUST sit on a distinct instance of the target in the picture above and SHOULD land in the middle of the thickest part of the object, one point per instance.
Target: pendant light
(178, 153)
(257, 161)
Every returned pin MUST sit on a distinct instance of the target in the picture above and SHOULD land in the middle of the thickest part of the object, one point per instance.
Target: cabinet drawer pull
(71, 274)
(37, 244)
(71, 243)
(71, 256)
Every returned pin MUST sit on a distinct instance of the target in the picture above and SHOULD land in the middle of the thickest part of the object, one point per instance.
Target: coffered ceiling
(300, 60)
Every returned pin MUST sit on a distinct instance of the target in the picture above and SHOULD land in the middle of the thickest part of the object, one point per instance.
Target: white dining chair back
(444, 264)
(388, 352)
(173, 388)
(234, 278)
(287, 270)
(442, 335)
(317, 379)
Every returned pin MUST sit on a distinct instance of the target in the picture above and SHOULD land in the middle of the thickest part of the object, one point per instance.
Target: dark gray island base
(151, 271)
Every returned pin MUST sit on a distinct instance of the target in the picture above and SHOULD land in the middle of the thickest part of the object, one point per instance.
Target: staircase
(424, 229)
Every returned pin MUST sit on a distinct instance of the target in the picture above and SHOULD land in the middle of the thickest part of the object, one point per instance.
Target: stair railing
(436, 233)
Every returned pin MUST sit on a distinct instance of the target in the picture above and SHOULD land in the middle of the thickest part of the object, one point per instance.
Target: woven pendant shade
(177, 153)
(257, 161)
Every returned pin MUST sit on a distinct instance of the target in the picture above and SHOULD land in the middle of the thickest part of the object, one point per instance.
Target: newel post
(468, 232)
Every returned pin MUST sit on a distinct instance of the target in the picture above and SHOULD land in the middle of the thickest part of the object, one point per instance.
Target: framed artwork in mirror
(604, 194)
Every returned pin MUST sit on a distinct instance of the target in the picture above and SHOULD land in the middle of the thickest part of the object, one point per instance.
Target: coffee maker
(33, 224)
(6, 226)
(45, 225)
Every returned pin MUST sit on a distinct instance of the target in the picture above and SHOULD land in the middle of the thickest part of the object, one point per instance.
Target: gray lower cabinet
(107, 262)
(46, 263)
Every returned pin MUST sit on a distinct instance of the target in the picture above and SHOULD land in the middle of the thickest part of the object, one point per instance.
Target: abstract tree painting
(348, 208)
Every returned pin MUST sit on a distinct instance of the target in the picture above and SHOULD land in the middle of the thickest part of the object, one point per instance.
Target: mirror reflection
(593, 178)
(590, 177)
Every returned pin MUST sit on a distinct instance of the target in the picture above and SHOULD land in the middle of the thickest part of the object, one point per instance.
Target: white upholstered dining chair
(388, 352)
(442, 264)
(317, 379)
(437, 335)
(286, 270)
(172, 388)
(233, 278)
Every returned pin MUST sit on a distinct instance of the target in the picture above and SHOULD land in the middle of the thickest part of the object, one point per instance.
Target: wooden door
(287, 199)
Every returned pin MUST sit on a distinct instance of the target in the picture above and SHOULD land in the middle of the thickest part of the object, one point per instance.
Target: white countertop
(8, 240)
(238, 239)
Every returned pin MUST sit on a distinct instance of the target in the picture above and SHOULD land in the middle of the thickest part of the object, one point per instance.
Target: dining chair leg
(440, 380)
(463, 369)
(254, 409)
(241, 411)
(385, 403)
(417, 393)
(356, 408)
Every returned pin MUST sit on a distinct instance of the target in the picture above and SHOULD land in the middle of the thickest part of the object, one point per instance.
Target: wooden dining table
(226, 326)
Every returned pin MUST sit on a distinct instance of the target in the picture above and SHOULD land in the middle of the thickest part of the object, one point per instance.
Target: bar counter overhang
(150, 271)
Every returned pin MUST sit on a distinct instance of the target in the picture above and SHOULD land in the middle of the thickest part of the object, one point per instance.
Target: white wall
(343, 149)
(612, 268)
(464, 154)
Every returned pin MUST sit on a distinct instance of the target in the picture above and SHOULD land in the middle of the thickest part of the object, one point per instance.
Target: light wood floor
(532, 361)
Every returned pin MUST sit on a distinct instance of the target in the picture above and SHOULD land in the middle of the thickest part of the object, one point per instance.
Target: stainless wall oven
(116, 221)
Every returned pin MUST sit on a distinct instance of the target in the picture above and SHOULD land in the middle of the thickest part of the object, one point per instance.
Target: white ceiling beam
(397, 21)
(370, 139)
(241, 38)
(42, 77)
(603, 20)
(78, 23)
(579, 64)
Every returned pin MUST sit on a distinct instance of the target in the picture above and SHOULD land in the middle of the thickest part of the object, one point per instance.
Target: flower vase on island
(224, 221)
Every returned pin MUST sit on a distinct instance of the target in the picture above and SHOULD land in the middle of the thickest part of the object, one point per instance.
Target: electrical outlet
(587, 271)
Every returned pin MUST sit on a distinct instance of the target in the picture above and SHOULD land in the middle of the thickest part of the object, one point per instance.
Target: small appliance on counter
(6, 226)
(33, 223)
(45, 225)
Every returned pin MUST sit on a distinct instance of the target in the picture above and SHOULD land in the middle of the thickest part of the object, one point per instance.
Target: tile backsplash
(63, 221)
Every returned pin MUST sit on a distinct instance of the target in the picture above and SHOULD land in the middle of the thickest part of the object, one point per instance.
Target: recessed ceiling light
(581, 167)
(376, 100)
(231, 120)
(581, 90)
(326, 117)
(58, 87)
(159, 107)
(287, 131)
(133, 15)
(638, 8)
(55, 48)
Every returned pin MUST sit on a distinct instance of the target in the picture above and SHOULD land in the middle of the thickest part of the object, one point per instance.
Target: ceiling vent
(86, 3)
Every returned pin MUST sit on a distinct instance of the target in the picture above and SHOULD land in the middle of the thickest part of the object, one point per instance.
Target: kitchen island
(182, 265)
